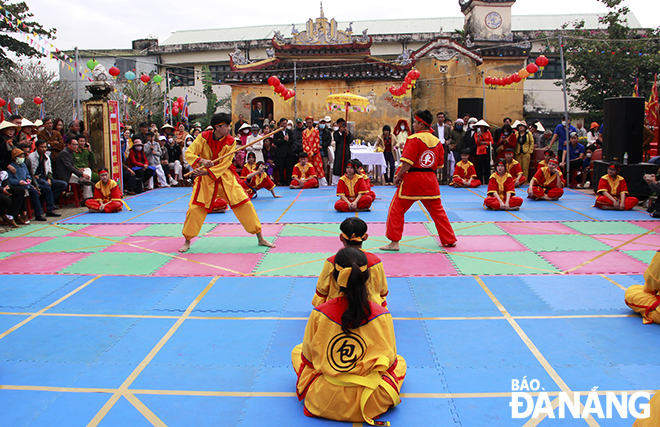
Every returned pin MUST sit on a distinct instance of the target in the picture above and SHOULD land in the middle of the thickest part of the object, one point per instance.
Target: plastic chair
(75, 198)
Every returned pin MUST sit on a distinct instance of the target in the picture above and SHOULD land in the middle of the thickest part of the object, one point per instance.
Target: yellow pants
(197, 214)
(524, 160)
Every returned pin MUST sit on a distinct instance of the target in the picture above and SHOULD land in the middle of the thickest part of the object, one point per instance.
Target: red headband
(422, 121)
(553, 161)
(614, 167)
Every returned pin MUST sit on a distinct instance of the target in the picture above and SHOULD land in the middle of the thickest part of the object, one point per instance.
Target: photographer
(654, 207)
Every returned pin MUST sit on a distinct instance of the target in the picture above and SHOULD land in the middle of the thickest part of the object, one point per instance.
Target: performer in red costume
(107, 195)
(514, 169)
(464, 173)
(304, 174)
(547, 183)
(352, 190)
(501, 190)
(311, 143)
(255, 177)
(613, 191)
(416, 181)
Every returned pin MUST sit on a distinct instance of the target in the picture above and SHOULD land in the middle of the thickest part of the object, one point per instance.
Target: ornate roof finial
(322, 16)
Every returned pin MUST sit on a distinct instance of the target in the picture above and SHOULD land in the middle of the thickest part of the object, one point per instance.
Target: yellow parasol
(348, 102)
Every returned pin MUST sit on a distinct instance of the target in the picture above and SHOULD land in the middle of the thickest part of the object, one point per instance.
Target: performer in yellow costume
(645, 299)
(353, 234)
(347, 365)
(216, 180)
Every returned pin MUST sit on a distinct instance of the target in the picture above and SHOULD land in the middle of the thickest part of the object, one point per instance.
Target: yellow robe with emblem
(328, 357)
(645, 299)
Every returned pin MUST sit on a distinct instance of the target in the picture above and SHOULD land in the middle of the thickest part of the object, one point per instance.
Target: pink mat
(649, 225)
(612, 263)
(403, 265)
(307, 244)
(268, 230)
(486, 244)
(650, 242)
(39, 263)
(17, 244)
(110, 230)
(409, 229)
(243, 263)
(161, 244)
(519, 228)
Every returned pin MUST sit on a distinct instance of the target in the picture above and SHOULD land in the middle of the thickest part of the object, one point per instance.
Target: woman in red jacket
(139, 164)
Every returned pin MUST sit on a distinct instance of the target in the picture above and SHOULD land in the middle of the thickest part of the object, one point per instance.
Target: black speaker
(633, 174)
(623, 129)
(472, 106)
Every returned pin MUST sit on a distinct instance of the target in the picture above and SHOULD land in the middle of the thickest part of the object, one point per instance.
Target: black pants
(129, 180)
(142, 176)
(11, 205)
(51, 193)
(285, 168)
(483, 168)
(389, 159)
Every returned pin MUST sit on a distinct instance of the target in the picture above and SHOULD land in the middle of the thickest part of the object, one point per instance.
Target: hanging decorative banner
(351, 108)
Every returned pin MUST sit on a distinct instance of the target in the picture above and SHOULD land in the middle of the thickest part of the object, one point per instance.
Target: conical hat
(481, 122)
(6, 124)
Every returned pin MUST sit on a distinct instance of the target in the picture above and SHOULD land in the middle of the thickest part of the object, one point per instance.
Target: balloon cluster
(114, 71)
(280, 89)
(521, 75)
(177, 106)
(407, 86)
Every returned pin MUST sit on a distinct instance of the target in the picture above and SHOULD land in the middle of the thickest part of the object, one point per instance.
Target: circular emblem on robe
(345, 350)
(427, 159)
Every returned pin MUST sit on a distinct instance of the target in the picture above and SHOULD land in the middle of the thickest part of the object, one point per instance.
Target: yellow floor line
(287, 209)
(157, 207)
(138, 370)
(146, 412)
(612, 282)
(38, 229)
(602, 254)
(48, 307)
(428, 217)
(650, 246)
(573, 210)
(541, 229)
(532, 348)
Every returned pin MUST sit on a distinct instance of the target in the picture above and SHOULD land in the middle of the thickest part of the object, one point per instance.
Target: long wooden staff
(243, 147)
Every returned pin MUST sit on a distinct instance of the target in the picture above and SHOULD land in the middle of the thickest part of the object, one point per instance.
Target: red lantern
(293, 93)
(417, 74)
(175, 111)
(2, 102)
(180, 99)
(273, 81)
(408, 79)
(392, 89)
(501, 81)
(38, 100)
(114, 71)
(145, 78)
(532, 68)
(404, 86)
(488, 80)
(542, 61)
(516, 78)
(280, 89)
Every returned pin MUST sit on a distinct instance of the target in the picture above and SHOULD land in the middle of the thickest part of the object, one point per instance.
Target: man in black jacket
(66, 170)
(343, 140)
(298, 137)
(325, 135)
(284, 160)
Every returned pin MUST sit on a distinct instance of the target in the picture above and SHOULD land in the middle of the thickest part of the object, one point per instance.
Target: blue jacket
(22, 174)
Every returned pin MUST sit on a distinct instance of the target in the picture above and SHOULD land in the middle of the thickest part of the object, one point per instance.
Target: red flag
(652, 106)
(2, 114)
(9, 107)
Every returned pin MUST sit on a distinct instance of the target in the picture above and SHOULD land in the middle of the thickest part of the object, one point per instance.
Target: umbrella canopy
(350, 98)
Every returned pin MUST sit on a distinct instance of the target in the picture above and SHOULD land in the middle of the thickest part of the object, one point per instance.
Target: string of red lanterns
(407, 86)
(521, 75)
(280, 89)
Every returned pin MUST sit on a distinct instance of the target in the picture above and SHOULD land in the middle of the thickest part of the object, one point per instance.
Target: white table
(373, 159)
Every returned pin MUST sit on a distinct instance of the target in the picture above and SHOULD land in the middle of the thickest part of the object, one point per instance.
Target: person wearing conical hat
(483, 140)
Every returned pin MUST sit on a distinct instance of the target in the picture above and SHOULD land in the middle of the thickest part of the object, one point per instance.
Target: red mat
(612, 263)
(519, 228)
(307, 244)
(17, 244)
(161, 244)
(241, 263)
(649, 225)
(39, 263)
(403, 265)
(409, 229)
(486, 244)
(110, 230)
(221, 230)
(650, 242)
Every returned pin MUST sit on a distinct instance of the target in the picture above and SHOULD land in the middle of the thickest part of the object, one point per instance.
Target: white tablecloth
(369, 158)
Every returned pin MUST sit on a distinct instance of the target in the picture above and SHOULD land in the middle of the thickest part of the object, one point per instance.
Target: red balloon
(114, 71)
(38, 100)
(542, 61)
(273, 81)
(175, 111)
(145, 78)
(2, 102)
(532, 68)
(516, 78)
(280, 89)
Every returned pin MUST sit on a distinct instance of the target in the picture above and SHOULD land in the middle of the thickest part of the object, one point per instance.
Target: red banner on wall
(115, 142)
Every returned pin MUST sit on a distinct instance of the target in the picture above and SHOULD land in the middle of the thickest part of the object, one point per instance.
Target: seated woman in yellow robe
(347, 365)
(353, 234)
(645, 299)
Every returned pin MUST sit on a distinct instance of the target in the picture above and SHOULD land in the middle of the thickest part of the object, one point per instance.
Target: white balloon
(18, 101)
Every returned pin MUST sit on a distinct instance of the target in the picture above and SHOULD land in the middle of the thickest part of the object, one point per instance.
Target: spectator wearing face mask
(256, 148)
(506, 140)
(285, 157)
(186, 167)
(139, 164)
